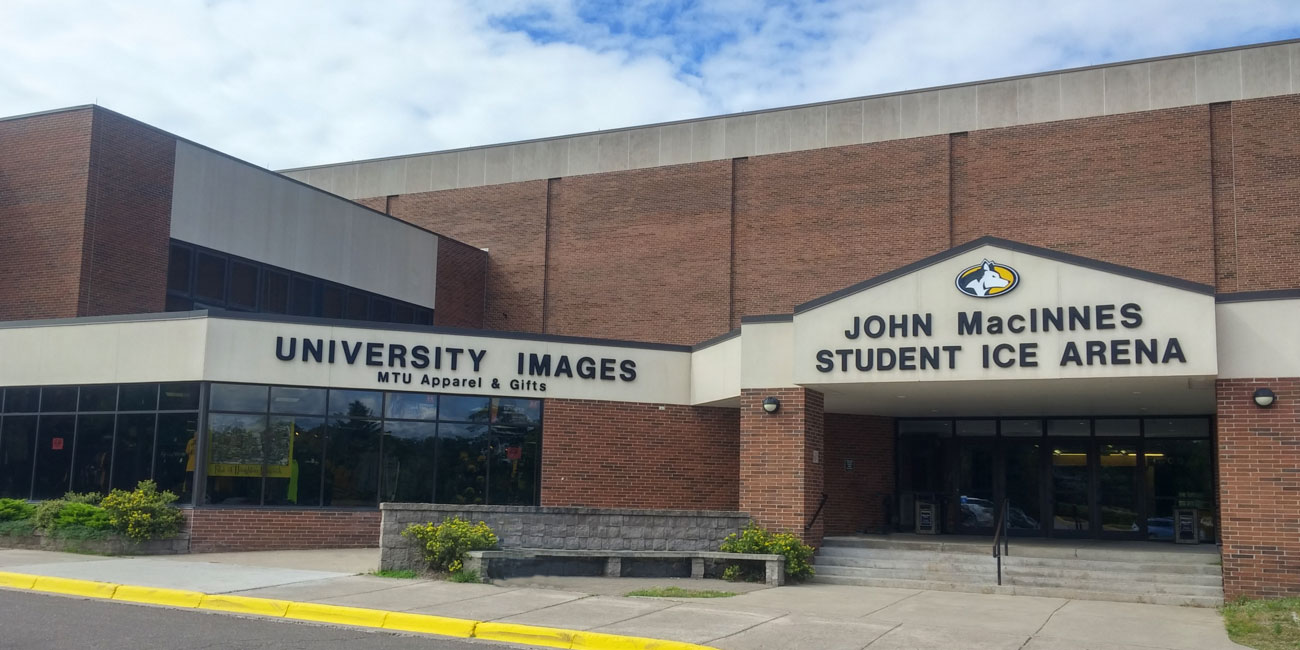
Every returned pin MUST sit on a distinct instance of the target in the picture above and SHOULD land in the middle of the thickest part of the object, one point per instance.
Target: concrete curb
(548, 637)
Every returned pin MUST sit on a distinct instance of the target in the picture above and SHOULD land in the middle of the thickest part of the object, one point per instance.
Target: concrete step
(1141, 552)
(1118, 585)
(974, 564)
(1063, 575)
(1102, 565)
(1069, 574)
(989, 576)
(1024, 590)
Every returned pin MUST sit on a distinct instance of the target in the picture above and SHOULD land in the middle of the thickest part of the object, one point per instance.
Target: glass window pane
(1022, 428)
(1179, 474)
(465, 408)
(238, 397)
(409, 462)
(275, 292)
(462, 464)
(243, 285)
(301, 293)
(302, 485)
(331, 305)
(1117, 427)
(138, 397)
(178, 269)
(22, 400)
(1176, 427)
(17, 445)
(925, 427)
(210, 281)
(423, 317)
(94, 453)
(98, 398)
(412, 406)
(517, 413)
(352, 463)
(133, 450)
(358, 306)
(277, 447)
(1076, 427)
(1071, 510)
(301, 401)
(977, 427)
(516, 452)
(235, 452)
(178, 303)
(58, 399)
(54, 456)
(356, 403)
(381, 311)
(403, 314)
(179, 396)
(173, 465)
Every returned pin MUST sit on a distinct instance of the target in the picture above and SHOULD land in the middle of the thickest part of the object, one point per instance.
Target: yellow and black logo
(987, 279)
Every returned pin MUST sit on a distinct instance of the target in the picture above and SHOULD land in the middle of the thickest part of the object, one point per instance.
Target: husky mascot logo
(987, 279)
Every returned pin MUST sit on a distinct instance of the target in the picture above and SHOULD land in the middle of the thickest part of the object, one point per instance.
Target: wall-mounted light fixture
(1264, 397)
(771, 405)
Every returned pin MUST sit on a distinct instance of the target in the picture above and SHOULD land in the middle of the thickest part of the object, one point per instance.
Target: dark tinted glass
(94, 453)
(178, 303)
(22, 400)
(275, 292)
(356, 403)
(462, 464)
(238, 397)
(210, 279)
(133, 450)
(236, 448)
(463, 408)
(174, 454)
(58, 399)
(381, 311)
(54, 456)
(17, 444)
(1025, 428)
(409, 462)
(243, 285)
(517, 414)
(301, 401)
(138, 397)
(358, 306)
(411, 406)
(941, 428)
(516, 452)
(1117, 427)
(179, 396)
(302, 484)
(1173, 427)
(403, 314)
(331, 301)
(300, 296)
(352, 463)
(98, 398)
(423, 317)
(178, 269)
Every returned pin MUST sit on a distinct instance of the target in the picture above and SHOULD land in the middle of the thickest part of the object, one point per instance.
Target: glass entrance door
(1022, 460)
(1071, 505)
(976, 489)
(1118, 467)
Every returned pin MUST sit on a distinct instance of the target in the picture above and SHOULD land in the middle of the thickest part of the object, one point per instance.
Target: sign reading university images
(994, 313)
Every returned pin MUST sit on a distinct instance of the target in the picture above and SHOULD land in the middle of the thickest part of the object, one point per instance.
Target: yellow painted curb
(72, 587)
(16, 580)
(598, 641)
(245, 605)
(549, 637)
(336, 614)
(427, 624)
(158, 596)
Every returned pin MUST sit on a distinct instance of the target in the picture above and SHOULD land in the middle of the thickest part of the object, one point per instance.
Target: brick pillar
(1259, 488)
(781, 460)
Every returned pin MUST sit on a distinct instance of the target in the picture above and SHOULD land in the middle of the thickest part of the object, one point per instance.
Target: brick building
(1058, 302)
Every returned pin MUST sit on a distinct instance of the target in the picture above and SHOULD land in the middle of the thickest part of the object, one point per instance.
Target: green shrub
(15, 510)
(17, 528)
(82, 515)
(754, 539)
(446, 544)
(92, 498)
(464, 576)
(46, 512)
(144, 513)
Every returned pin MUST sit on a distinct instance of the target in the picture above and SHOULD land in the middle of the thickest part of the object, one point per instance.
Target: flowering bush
(755, 539)
(144, 513)
(446, 544)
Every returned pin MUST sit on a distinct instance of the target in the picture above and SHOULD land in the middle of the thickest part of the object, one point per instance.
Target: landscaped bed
(139, 522)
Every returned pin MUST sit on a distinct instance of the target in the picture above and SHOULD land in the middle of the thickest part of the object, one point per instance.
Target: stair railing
(816, 514)
(1001, 541)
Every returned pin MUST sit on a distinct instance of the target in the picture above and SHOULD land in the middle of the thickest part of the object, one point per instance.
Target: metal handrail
(816, 514)
(1001, 540)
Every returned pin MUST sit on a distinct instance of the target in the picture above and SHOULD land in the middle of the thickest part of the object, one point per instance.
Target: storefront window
(352, 460)
(17, 445)
(93, 458)
(54, 455)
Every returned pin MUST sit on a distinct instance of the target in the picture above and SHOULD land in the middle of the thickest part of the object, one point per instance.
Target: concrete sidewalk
(808, 616)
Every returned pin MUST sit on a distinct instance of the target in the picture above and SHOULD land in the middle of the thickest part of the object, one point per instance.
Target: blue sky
(299, 82)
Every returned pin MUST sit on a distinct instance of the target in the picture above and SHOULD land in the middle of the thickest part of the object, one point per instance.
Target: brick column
(781, 460)
(1259, 488)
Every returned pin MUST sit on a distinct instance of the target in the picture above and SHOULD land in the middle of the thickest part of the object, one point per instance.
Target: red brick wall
(812, 222)
(44, 163)
(128, 218)
(857, 497)
(641, 255)
(1259, 488)
(510, 221)
(781, 483)
(1130, 189)
(461, 290)
(1266, 174)
(1224, 194)
(215, 530)
(632, 455)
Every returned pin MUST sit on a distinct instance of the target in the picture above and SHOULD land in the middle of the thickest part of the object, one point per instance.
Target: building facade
(1064, 296)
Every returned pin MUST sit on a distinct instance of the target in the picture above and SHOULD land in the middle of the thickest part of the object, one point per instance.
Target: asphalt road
(30, 621)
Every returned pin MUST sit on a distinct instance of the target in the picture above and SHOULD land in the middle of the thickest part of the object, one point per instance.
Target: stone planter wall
(562, 528)
(112, 545)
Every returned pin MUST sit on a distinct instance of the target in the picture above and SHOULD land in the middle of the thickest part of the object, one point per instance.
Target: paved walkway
(827, 617)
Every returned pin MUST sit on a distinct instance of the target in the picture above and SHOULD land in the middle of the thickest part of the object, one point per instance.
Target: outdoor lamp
(1263, 397)
(771, 405)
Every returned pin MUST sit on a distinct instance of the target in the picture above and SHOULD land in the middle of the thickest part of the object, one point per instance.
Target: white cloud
(298, 82)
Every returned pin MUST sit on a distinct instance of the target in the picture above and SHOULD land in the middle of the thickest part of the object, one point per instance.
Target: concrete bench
(482, 561)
